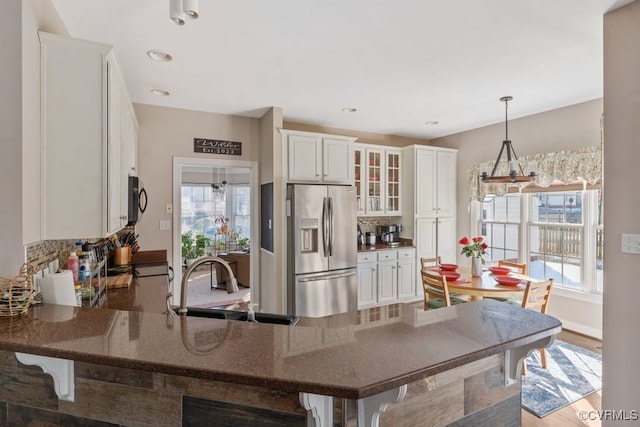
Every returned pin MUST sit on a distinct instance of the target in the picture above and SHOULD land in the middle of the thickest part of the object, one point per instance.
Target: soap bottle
(73, 265)
(84, 273)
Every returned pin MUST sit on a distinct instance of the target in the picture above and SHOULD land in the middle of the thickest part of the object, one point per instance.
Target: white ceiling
(399, 62)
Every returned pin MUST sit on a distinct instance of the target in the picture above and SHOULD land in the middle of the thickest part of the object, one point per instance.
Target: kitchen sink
(216, 313)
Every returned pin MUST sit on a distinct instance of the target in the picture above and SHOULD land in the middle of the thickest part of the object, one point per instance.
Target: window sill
(577, 295)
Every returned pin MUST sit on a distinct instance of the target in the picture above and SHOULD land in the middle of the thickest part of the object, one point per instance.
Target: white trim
(178, 163)
(577, 295)
(581, 329)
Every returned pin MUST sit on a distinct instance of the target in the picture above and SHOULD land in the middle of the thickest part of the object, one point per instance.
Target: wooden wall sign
(216, 146)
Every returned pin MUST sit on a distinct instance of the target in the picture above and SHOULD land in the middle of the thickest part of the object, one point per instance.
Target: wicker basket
(16, 294)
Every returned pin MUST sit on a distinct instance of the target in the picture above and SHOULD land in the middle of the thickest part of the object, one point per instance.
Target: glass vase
(476, 266)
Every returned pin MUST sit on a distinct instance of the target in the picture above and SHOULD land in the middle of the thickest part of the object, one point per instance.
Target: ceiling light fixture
(158, 55)
(160, 92)
(349, 110)
(190, 8)
(221, 186)
(431, 122)
(181, 9)
(516, 173)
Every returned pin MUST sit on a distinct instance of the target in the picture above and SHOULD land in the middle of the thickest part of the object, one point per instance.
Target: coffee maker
(389, 234)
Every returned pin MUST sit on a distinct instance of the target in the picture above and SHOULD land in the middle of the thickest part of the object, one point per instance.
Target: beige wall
(168, 132)
(272, 292)
(562, 129)
(621, 378)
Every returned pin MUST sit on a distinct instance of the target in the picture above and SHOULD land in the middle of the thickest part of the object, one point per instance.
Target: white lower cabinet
(386, 277)
(367, 284)
(387, 282)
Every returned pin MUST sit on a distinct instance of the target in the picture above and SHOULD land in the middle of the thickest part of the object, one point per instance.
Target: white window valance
(569, 166)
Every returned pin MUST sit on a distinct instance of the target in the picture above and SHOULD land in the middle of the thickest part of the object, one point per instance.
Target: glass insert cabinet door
(392, 204)
(359, 179)
(374, 203)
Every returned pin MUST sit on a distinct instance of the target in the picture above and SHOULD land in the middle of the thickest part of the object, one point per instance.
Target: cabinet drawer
(387, 255)
(367, 257)
(406, 253)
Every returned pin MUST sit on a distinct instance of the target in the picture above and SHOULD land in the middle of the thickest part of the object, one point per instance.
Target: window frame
(591, 287)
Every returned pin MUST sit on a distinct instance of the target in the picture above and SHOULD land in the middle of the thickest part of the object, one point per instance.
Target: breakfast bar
(391, 365)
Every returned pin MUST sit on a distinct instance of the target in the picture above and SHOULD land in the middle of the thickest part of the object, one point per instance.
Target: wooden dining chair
(436, 291)
(430, 262)
(516, 267)
(536, 297)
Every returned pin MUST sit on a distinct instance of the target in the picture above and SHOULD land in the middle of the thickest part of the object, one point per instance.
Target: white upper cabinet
(432, 185)
(377, 171)
(313, 157)
(86, 140)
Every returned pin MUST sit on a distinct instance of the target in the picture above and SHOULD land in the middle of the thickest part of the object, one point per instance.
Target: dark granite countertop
(384, 247)
(351, 355)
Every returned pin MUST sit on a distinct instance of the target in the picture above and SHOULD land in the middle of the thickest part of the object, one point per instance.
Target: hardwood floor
(568, 416)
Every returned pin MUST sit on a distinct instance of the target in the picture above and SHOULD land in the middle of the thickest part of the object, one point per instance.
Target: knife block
(122, 255)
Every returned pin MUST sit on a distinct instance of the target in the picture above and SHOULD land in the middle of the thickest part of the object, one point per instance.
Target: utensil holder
(122, 255)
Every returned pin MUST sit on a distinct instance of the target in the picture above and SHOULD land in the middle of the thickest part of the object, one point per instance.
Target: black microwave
(137, 200)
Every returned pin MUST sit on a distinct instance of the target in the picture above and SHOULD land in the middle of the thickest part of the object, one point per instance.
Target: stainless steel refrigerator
(322, 249)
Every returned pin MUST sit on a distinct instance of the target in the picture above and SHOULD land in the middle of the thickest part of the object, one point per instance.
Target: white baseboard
(581, 329)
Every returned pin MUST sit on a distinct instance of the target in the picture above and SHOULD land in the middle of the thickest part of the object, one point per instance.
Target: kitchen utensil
(122, 255)
(371, 238)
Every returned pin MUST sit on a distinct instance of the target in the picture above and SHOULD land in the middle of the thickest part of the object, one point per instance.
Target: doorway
(215, 202)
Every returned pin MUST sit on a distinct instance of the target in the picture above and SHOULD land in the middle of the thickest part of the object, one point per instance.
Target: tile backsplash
(41, 254)
(369, 223)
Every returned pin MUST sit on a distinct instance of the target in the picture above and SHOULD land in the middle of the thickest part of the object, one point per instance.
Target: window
(201, 207)
(549, 229)
(501, 226)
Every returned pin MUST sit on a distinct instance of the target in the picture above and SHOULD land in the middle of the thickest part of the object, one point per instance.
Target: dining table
(486, 285)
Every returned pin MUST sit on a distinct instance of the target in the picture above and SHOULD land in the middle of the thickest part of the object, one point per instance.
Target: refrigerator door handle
(327, 277)
(325, 226)
(330, 226)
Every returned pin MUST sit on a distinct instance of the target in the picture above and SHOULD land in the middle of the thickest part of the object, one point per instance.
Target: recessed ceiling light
(158, 55)
(431, 123)
(349, 110)
(160, 92)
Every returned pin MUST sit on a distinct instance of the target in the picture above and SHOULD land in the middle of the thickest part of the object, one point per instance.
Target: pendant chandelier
(221, 186)
(516, 173)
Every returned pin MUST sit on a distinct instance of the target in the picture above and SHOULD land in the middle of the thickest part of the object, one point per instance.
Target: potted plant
(243, 244)
(188, 247)
(201, 243)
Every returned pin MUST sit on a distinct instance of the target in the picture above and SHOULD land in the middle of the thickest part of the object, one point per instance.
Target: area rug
(572, 373)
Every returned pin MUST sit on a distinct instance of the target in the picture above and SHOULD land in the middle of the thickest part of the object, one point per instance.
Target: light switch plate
(631, 243)
(165, 225)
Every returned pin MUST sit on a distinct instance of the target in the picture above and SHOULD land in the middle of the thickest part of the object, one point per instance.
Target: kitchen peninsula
(146, 368)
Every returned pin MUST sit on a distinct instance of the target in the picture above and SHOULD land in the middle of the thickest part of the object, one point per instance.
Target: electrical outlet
(631, 243)
(165, 225)
(168, 208)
